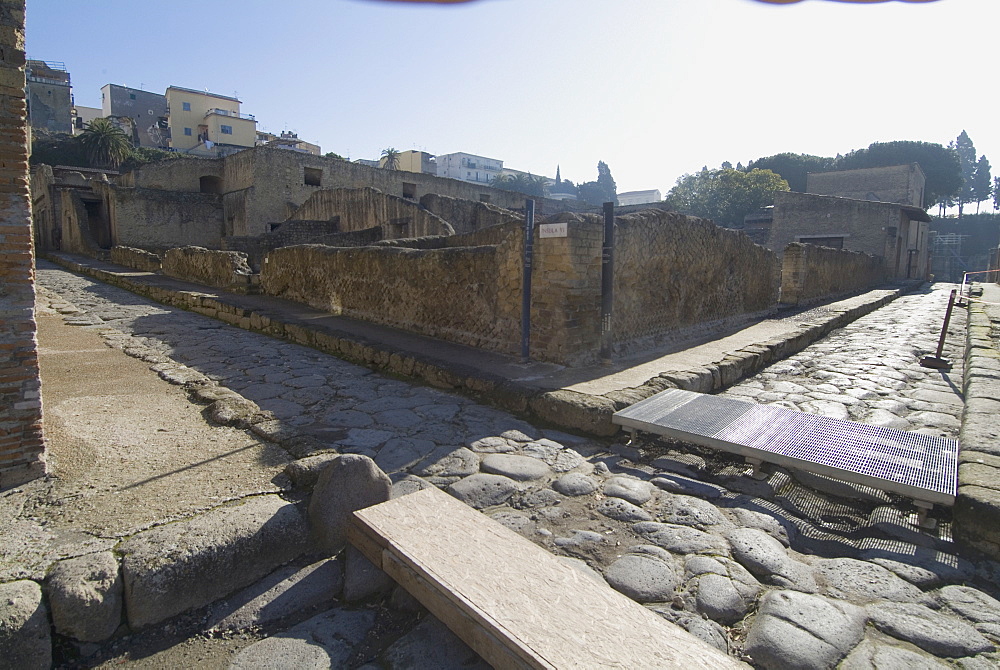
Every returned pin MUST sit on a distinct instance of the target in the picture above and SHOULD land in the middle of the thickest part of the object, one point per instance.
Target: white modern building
(639, 197)
(470, 168)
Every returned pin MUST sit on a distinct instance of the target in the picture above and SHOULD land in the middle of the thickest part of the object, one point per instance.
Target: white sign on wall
(553, 229)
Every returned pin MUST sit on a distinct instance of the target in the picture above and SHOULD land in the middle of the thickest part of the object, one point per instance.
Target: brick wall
(22, 447)
(810, 273)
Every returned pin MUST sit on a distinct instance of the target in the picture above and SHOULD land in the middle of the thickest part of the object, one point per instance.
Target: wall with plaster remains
(152, 219)
(137, 259)
(362, 208)
(223, 269)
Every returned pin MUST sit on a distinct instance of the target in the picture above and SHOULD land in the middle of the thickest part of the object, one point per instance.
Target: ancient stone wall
(362, 208)
(22, 447)
(451, 294)
(810, 273)
(181, 174)
(224, 269)
(137, 259)
(676, 272)
(467, 215)
(154, 219)
(75, 234)
(291, 233)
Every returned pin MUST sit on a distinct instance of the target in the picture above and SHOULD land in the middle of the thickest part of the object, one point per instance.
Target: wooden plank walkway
(921, 467)
(514, 603)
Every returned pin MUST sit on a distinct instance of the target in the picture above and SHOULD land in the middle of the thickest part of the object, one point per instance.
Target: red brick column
(22, 449)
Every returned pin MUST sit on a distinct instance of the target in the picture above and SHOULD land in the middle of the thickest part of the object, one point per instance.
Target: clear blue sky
(655, 88)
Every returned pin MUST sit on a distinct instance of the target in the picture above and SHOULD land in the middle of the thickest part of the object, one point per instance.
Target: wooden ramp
(921, 467)
(514, 603)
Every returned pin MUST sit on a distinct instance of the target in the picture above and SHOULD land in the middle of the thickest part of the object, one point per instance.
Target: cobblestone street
(870, 370)
(734, 560)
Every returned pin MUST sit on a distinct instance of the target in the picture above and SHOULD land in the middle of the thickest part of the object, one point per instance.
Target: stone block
(25, 640)
(349, 483)
(180, 566)
(85, 594)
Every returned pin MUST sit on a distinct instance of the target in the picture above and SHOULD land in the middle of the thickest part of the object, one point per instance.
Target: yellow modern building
(198, 118)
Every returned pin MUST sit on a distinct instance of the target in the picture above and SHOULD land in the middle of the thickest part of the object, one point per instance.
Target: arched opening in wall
(210, 184)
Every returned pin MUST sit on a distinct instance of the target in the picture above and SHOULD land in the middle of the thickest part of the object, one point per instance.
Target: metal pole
(607, 282)
(529, 239)
(944, 328)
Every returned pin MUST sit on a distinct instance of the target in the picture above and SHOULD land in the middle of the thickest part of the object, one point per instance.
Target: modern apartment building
(639, 197)
(198, 119)
(468, 167)
(415, 161)
(146, 110)
(49, 96)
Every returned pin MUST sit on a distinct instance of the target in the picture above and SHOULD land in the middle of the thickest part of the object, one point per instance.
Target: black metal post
(936, 361)
(529, 239)
(607, 282)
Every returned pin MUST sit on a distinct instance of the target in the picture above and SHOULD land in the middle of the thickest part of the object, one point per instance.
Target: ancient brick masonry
(21, 443)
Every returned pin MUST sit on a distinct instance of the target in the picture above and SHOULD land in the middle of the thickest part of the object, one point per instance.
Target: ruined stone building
(50, 96)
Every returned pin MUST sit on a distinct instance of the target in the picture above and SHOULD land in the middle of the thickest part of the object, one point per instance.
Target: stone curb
(977, 507)
(579, 412)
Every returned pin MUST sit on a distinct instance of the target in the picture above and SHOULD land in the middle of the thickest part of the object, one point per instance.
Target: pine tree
(967, 158)
(982, 182)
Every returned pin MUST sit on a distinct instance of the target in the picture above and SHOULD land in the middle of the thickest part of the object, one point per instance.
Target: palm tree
(390, 159)
(105, 144)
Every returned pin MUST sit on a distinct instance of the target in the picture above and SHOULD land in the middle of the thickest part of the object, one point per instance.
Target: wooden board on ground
(514, 603)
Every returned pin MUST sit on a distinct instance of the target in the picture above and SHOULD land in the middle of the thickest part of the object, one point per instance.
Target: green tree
(601, 191)
(725, 196)
(940, 165)
(982, 182)
(390, 159)
(105, 144)
(966, 151)
(527, 184)
(330, 154)
(793, 168)
(996, 193)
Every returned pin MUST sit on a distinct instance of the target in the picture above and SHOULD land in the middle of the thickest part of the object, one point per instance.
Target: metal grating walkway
(917, 466)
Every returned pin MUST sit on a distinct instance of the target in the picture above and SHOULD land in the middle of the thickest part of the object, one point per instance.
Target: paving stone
(431, 645)
(397, 418)
(939, 634)
(622, 510)
(578, 539)
(520, 468)
(305, 471)
(25, 639)
(448, 462)
(575, 484)
(635, 491)
(518, 436)
(799, 630)
(682, 540)
(645, 574)
(768, 560)
(870, 654)
(851, 579)
(686, 486)
(971, 603)
(921, 566)
(325, 641)
(688, 511)
(367, 438)
(85, 596)
(558, 457)
(884, 418)
(724, 590)
(362, 579)
(349, 483)
(288, 595)
(773, 526)
(483, 490)
(348, 418)
(401, 453)
(705, 630)
(519, 522)
(492, 445)
(834, 410)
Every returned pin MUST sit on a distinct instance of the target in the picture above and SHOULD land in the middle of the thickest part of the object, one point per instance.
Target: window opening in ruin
(409, 190)
(210, 184)
(400, 227)
(274, 226)
(313, 176)
(98, 222)
(483, 197)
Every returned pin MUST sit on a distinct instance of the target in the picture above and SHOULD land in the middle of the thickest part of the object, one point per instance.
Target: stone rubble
(773, 571)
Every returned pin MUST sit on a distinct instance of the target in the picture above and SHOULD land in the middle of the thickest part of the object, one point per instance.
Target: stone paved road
(741, 563)
(869, 371)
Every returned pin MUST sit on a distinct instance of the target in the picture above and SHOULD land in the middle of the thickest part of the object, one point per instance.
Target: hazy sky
(655, 88)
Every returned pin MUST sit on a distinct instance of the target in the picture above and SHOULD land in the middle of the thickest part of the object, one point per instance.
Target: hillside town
(266, 406)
